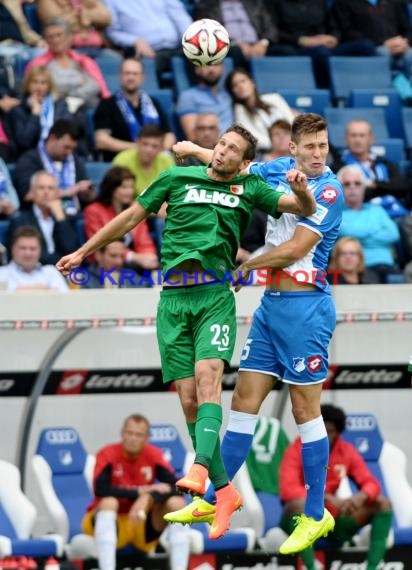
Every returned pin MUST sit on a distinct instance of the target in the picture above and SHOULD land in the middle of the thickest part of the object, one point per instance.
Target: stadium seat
(31, 13)
(89, 126)
(95, 171)
(79, 228)
(338, 118)
(63, 470)
(17, 518)
(165, 99)
(407, 126)
(168, 438)
(386, 99)
(4, 231)
(272, 73)
(181, 79)
(308, 100)
(355, 72)
(151, 81)
(388, 463)
(391, 149)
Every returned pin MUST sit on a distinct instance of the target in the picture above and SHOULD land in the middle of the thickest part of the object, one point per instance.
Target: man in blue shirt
(291, 329)
(148, 28)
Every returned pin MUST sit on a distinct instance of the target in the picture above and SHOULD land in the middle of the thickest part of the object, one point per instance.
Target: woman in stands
(41, 106)
(116, 194)
(254, 111)
(347, 264)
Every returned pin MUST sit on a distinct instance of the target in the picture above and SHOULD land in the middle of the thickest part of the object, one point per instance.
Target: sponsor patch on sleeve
(329, 194)
(319, 215)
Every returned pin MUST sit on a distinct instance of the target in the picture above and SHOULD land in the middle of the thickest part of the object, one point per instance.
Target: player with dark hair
(292, 328)
(209, 208)
(366, 505)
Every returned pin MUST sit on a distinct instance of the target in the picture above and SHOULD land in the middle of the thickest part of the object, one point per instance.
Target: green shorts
(194, 323)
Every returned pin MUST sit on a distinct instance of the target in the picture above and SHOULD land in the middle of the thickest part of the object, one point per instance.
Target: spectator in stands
(76, 76)
(147, 159)
(25, 272)
(9, 200)
(134, 487)
(369, 223)
(107, 272)
(41, 106)
(279, 133)
(366, 505)
(119, 119)
(17, 38)
(87, 20)
(347, 264)
(206, 96)
(307, 28)
(384, 23)
(56, 155)
(254, 111)
(154, 30)
(116, 194)
(47, 215)
(206, 135)
(386, 185)
(252, 33)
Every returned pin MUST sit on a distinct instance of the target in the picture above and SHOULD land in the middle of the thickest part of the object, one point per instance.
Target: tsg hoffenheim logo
(299, 364)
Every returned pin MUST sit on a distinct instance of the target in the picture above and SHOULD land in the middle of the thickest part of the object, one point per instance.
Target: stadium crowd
(88, 87)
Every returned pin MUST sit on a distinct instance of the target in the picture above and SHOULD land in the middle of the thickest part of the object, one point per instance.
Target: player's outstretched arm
(115, 229)
(183, 149)
(301, 202)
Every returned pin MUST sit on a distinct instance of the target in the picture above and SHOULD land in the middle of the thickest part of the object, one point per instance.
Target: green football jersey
(206, 218)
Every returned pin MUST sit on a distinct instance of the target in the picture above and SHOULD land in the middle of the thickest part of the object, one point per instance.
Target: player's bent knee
(108, 504)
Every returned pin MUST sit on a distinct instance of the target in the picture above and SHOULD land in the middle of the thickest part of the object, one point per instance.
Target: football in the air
(205, 42)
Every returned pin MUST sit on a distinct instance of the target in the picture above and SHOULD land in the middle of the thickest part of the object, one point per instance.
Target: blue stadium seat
(167, 438)
(272, 73)
(151, 81)
(96, 170)
(17, 518)
(388, 463)
(348, 73)
(391, 149)
(338, 118)
(89, 126)
(63, 470)
(165, 99)
(31, 13)
(109, 63)
(407, 126)
(180, 77)
(4, 231)
(386, 99)
(80, 231)
(308, 100)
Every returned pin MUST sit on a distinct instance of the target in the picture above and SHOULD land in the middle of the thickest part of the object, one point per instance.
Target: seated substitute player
(208, 210)
(365, 506)
(292, 328)
(134, 486)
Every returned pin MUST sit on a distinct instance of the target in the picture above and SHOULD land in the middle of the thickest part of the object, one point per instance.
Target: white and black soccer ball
(205, 42)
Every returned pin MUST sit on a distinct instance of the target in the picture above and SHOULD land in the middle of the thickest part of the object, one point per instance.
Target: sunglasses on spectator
(352, 183)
